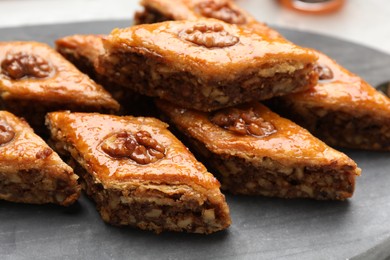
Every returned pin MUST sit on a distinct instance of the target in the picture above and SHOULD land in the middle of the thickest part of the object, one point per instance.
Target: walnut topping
(221, 10)
(209, 36)
(324, 72)
(20, 65)
(140, 147)
(6, 132)
(243, 122)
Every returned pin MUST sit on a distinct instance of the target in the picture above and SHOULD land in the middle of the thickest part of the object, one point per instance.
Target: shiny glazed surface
(346, 91)
(27, 150)
(86, 132)
(65, 85)
(253, 51)
(290, 145)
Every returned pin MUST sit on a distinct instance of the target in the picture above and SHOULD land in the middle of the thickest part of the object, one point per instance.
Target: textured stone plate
(263, 228)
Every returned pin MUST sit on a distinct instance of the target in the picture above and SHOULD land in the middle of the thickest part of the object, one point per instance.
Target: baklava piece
(83, 51)
(139, 174)
(35, 79)
(205, 64)
(342, 109)
(30, 171)
(224, 10)
(256, 152)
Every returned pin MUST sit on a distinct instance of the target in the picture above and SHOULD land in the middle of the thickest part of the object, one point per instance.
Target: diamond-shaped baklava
(35, 79)
(256, 152)
(30, 171)
(205, 64)
(139, 174)
(342, 109)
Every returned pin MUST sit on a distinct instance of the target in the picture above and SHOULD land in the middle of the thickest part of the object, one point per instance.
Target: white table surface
(360, 21)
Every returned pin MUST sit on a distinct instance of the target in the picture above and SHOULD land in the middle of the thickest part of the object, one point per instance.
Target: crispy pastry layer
(205, 64)
(31, 172)
(33, 74)
(342, 111)
(173, 193)
(288, 162)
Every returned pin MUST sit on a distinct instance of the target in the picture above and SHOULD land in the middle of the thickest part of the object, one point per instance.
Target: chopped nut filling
(6, 132)
(34, 186)
(221, 10)
(209, 36)
(20, 65)
(271, 179)
(140, 147)
(336, 127)
(243, 122)
(151, 77)
(154, 207)
(324, 72)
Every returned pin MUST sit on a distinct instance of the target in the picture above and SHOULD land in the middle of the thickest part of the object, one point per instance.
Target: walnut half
(210, 36)
(243, 122)
(141, 147)
(6, 132)
(23, 65)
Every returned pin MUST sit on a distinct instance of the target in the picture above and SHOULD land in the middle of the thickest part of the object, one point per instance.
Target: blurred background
(360, 21)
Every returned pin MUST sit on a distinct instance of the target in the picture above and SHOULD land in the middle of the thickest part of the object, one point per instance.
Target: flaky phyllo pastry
(257, 152)
(139, 174)
(342, 109)
(30, 171)
(35, 79)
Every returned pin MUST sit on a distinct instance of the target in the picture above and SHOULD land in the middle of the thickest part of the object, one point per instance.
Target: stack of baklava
(210, 70)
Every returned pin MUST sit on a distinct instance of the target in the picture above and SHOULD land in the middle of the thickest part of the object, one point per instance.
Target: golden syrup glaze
(65, 85)
(290, 144)
(86, 132)
(22, 152)
(187, 10)
(89, 45)
(346, 91)
(162, 42)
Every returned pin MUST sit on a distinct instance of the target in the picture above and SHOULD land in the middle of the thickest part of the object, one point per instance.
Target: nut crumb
(43, 154)
(6, 132)
(324, 72)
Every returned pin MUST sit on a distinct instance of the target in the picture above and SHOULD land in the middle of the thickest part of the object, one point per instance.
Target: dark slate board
(263, 228)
